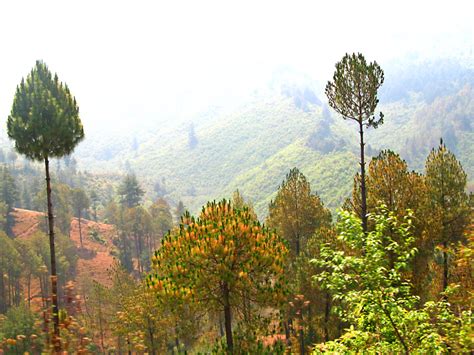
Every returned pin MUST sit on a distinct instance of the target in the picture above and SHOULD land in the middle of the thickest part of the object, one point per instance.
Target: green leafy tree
(218, 258)
(130, 191)
(389, 182)
(446, 182)
(44, 123)
(80, 202)
(353, 94)
(20, 324)
(377, 303)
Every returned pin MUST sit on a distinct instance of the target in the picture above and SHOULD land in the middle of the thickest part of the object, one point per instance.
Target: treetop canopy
(44, 120)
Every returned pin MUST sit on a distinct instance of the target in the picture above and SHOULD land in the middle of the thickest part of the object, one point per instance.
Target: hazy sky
(126, 58)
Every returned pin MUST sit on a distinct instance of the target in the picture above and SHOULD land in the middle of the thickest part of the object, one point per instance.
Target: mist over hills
(198, 150)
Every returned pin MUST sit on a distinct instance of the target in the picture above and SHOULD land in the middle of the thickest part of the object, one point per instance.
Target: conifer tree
(9, 196)
(80, 202)
(218, 257)
(446, 182)
(130, 191)
(296, 212)
(353, 94)
(44, 123)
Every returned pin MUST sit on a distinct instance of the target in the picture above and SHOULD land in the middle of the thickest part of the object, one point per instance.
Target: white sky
(124, 57)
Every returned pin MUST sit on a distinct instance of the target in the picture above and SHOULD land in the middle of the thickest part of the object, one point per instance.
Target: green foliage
(376, 299)
(19, 324)
(130, 191)
(296, 213)
(222, 260)
(161, 215)
(44, 120)
(446, 181)
(80, 201)
(8, 197)
(61, 198)
(353, 91)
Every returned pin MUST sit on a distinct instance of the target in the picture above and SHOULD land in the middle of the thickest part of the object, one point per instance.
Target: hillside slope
(94, 258)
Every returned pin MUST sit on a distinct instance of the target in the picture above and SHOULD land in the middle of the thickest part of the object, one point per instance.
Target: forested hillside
(221, 179)
(286, 123)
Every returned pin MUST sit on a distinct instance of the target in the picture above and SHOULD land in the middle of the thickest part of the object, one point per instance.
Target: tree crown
(44, 119)
(353, 91)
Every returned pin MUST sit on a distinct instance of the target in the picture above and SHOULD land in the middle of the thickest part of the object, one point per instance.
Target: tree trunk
(363, 192)
(327, 310)
(228, 318)
(80, 230)
(54, 277)
(301, 334)
(445, 265)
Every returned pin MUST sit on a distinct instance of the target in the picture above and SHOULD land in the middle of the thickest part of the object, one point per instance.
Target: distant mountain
(250, 146)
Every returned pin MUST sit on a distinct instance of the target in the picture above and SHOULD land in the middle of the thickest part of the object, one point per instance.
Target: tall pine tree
(353, 94)
(44, 123)
(446, 182)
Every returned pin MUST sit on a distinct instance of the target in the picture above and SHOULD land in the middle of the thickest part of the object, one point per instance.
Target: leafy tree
(296, 213)
(44, 122)
(80, 202)
(446, 182)
(389, 182)
(130, 191)
(20, 324)
(353, 94)
(218, 258)
(376, 298)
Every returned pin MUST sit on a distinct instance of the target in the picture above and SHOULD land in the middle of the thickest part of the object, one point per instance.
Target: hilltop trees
(218, 259)
(353, 94)
(44, 123)
(446, 182)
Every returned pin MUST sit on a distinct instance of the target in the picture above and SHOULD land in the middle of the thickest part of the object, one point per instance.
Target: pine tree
(80, 202)
(130, 191)
(446, 182)
(44, 123)
(216, 258)
(9, 196)
(353, 94)
(296, 213)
